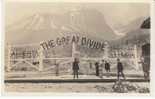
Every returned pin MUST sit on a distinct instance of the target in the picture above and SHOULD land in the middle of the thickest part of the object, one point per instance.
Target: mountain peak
(89, 22)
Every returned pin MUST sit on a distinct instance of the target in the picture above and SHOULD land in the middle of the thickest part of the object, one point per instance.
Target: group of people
(99, 68)
(106, 65)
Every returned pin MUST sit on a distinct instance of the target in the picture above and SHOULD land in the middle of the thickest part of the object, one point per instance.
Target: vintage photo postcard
(77, 47)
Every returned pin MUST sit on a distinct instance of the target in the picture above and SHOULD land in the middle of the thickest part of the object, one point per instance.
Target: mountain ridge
(46, 25)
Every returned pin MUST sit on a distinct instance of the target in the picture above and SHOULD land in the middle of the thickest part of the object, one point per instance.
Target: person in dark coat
(101, 72)
(146, 60)
(97, 68)
(120, 69)
(75, 68)
(107, 66)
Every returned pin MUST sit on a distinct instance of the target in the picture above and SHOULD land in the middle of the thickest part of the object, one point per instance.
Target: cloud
(119, 33)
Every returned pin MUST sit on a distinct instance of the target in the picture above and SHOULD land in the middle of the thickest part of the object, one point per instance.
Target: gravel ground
(75, 87)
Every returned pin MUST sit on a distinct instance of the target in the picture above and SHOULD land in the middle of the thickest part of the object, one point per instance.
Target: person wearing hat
(120, 69)
(75, 68)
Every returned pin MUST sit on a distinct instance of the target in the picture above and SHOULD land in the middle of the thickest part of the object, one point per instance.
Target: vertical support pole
(41, 56)
(56, 68)
(73, 50)
(106, 54)
(9, 58)
(136, 57)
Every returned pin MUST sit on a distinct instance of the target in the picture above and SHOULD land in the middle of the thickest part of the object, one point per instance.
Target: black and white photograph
(77, 47)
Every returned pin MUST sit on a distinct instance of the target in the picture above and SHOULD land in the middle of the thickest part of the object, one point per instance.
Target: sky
(116, 14)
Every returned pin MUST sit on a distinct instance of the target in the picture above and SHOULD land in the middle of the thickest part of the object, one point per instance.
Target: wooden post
(9, 58)
(56, 68)
(106, 54)
(41, 56)
(73, 50)
(136, 57)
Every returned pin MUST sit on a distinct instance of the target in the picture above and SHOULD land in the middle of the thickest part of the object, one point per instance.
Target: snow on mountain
(45, 26)
(134, 33)
(133, 25)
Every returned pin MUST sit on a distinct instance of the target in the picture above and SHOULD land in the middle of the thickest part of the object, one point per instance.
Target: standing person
(120, 69)
(145, 68)
(90, 65)
(97, 68)
(146, 59)
(101, 71)
(75, 68)
(107, 66)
